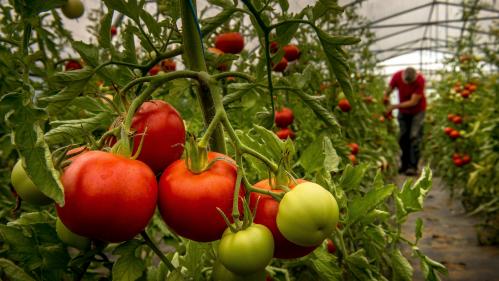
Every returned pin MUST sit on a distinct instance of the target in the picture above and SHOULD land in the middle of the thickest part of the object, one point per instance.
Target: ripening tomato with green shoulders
(246, 251)
(107, 197)
(307, 214)
(188, 199)
(266, 214)
(25, 187)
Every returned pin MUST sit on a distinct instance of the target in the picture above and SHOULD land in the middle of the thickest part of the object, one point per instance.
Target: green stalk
(194, 58)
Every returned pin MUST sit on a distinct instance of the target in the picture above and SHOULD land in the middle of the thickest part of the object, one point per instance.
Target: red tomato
(165, 136)
(274, 47)
(232, 42)
(458, 162)
(354, 148)
(466, 159)
(266, 214)
(188, 202)
(281, 66)
(331, 248)
(154, 70)
(471, 87)
(107, 197)
(168, 65)
(114, 30)
(283, 134)
(284, 117)
(450, 116)
(465, 94)
(448, 130)
(454, 134)
(291, 52)
(352, 158)
(72, 65)
(344, 105)
(457, 119)
(218, 52)
(456, 156)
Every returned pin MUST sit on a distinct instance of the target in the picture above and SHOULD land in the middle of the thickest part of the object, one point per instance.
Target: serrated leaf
(151, 23)
(128, 8)
(331, 158)
(13, 272)
(128, 267)
(352, 176)
(33, 218)
(210, 24)
(412, 196)
(361, 206)
(285, 32)
(105, 30)
(73, 129)
(318, 109)
(401, 268)
(325, 265)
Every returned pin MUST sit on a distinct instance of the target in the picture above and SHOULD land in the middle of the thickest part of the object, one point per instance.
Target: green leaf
(33, 218)
(175, 276)
(361, 206)
(128, 267)
(410, 198)
(151, 23)
(401, 268)
(129, 54)
(105, 30)
(64, 131)
(352, 176)
(26, 122)
(331, 158)
(321, 112)
(210, 24)
(284, 5)
(325, 265)
(419, 229)
(285, 32)
(128, 8)
(13, 272)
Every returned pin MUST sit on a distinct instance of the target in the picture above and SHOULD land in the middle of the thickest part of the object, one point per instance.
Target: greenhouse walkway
(449, 237)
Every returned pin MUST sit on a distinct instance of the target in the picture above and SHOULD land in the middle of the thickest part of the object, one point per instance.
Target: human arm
(415, 98)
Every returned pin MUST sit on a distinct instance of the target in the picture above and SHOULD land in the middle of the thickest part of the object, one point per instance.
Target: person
(411, 87)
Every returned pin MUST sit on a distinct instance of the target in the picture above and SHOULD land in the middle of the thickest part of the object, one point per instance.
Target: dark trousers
(411, 134)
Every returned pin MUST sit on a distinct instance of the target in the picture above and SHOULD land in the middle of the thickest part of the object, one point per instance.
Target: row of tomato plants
(99, 149)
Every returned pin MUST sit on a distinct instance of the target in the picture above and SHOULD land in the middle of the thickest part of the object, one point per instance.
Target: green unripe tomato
(246, 251)
(220, 273)
(307, 214)
(70, 238)
(25, 188)
(73, 9)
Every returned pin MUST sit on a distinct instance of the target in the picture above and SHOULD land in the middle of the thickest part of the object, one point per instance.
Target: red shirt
(407, 90)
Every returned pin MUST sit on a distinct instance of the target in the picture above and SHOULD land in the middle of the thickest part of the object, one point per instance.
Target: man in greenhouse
(410, 85)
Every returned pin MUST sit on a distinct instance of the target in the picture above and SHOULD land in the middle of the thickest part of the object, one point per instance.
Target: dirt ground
(449, 237)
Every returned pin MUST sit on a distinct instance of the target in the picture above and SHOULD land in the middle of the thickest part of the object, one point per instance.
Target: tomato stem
(157, 251)
(244, 76)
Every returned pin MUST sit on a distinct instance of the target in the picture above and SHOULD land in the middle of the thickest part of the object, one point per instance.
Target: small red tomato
(291, 52)
(457, 119)
(72, 65)
(114, 30)
(344, 105)
(107, 197)
(285, 133)
(456, 156)
(331, 248)
(465, 94)
(352, 158)
(232, 42)
(281, 66)
(154, 70)
(274, 47)
(458, 162)
(188, 202)
(450, 116)
(354, 148)
(284, 117)
(466, 159)
(471, 87)
(165, 135)
(448, 130)
(454, 134)
(168, 65)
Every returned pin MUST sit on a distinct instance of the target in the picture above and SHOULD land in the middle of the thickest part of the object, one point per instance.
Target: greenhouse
(252, 140)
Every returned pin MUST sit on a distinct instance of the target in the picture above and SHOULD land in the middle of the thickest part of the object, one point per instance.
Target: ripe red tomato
(274, 47)
(465, 94)
(114, 30)
(458, 162)
(154, 70)
(285, 133)
(218, 52)
(168, 65)
(457, 119)
(284, 117)
(448, 130)
(72, 65)
(344, 105)
(456, 156)
(165, 135)
(352, 158)
(231, 42)
(466, 159)
(266, 214)
(471, 87)
(291, 52)
(450, 116)
(107, 197)
(454, 134)
(281, 66)
(331, 248)
(354, 148)
(188, 202)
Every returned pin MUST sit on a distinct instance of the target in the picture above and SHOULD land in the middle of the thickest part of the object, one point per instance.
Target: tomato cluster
(291, 53)
(460, 160)
(283, 119)
(465, 91)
